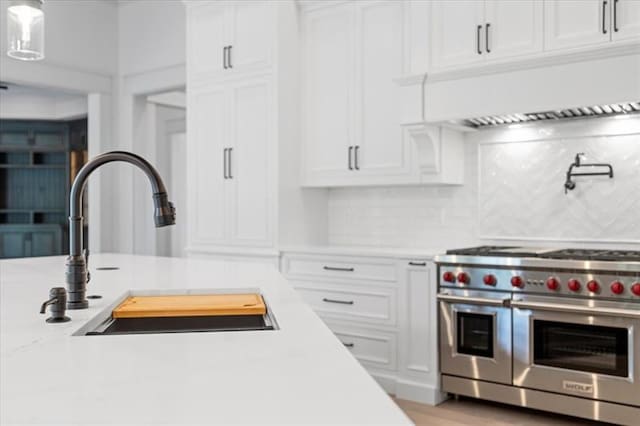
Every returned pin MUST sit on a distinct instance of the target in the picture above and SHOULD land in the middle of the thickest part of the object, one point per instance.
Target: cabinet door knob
(224, 57)
(350, 152)
(478, 48)
(604, 15)
(615, 16)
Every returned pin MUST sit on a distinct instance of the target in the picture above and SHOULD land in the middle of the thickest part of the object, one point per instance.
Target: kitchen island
(299, 374)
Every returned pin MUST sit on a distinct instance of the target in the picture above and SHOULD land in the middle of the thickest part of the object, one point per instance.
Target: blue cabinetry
(38, 159)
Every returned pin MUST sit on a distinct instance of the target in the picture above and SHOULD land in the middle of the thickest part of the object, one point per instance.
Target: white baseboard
(419, 392)
(410, 390)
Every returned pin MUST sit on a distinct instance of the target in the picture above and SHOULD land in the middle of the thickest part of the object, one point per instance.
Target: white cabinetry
(572, 23)
(231, 164)
(327, 91)
(207, 124)
(229, 36)
(626, 19)
(418, 333)
(579, 23)
(352, 53)
(467, 32)
(513, 28)
(456, 33)
(242, 142)
(382, 309)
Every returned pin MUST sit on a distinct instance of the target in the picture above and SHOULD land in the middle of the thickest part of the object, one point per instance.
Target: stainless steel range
(555, 330)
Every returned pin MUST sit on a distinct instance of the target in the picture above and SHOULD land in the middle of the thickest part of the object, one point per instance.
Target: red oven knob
(517, 281)
(593, 286)
(553, 283)
(449, 277)
(574, 285)
(489, 279)
(463, 278)
(635, 289)
(617, 287)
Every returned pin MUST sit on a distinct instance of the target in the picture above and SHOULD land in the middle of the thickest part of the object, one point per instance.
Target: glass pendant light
(25, 30)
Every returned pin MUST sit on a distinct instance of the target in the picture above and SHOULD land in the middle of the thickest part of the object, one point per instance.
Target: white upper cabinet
(251, 34)
(206, 39)
(352, 133)
(327, 93)
(626, 19)
(513, 28)
(457, 33)
(468, 32)
(574, 23)
(380, 148)
(229, 36)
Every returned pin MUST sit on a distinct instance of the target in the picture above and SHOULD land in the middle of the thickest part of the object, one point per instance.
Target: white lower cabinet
(383, 310)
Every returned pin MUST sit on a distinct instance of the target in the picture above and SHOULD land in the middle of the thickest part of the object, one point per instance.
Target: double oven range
(555, 330)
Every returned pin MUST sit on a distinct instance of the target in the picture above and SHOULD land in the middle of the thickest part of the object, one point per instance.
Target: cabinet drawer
(340, 267)
(372, 348)
(376, 305)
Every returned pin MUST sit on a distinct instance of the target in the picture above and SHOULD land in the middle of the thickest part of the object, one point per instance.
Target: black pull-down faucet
(164, 214)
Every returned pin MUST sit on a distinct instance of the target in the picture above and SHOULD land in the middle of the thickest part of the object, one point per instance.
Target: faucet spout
(164, 214)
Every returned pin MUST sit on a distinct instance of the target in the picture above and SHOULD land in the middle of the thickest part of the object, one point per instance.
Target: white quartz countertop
(299, 374)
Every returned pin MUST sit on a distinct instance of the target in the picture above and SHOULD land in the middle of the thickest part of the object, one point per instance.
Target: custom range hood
(542, 90)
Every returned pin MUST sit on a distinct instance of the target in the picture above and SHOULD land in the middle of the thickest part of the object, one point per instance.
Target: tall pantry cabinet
(244, 198)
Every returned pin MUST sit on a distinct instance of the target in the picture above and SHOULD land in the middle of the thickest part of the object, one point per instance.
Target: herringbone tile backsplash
(512, 191)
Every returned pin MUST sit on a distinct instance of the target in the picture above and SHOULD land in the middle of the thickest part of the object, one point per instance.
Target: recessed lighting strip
(564, 114)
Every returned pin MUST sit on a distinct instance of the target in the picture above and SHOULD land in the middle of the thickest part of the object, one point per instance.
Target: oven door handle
(558, 307)
(468, 300)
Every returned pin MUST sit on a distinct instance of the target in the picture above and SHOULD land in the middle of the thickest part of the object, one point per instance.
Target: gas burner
(482, 251)
(501, 251)
(594, 254)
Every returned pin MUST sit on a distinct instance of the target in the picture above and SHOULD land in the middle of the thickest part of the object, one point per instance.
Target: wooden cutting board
(190, 305)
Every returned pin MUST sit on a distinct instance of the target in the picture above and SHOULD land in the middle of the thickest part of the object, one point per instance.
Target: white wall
(151, 35)
(79, 35)
(513, 194)
(26, 103)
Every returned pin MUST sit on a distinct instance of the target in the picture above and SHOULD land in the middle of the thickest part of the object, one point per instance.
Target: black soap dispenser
(58, 302)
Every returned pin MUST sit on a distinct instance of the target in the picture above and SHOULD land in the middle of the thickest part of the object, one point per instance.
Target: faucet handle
(58, 302)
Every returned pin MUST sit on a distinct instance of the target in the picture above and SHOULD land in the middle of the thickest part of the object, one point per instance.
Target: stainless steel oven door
(581, 348)
(475, 335)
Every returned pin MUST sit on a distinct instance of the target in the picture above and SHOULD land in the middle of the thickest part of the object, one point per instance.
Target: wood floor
(472, 412)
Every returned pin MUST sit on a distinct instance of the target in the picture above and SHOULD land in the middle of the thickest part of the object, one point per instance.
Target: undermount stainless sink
(182, 324)
(104, 324)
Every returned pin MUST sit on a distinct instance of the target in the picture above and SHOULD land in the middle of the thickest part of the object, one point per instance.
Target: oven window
(475, 334)
(588, 348)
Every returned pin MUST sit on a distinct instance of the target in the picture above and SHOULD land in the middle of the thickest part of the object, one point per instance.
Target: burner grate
(482, 251)
(593, 254)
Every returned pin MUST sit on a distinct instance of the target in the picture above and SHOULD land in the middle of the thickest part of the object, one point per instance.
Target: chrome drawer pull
(342, 302)
(556, 307)
(465, 300)
(348, 345)
(333, 268)
(417, 263)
